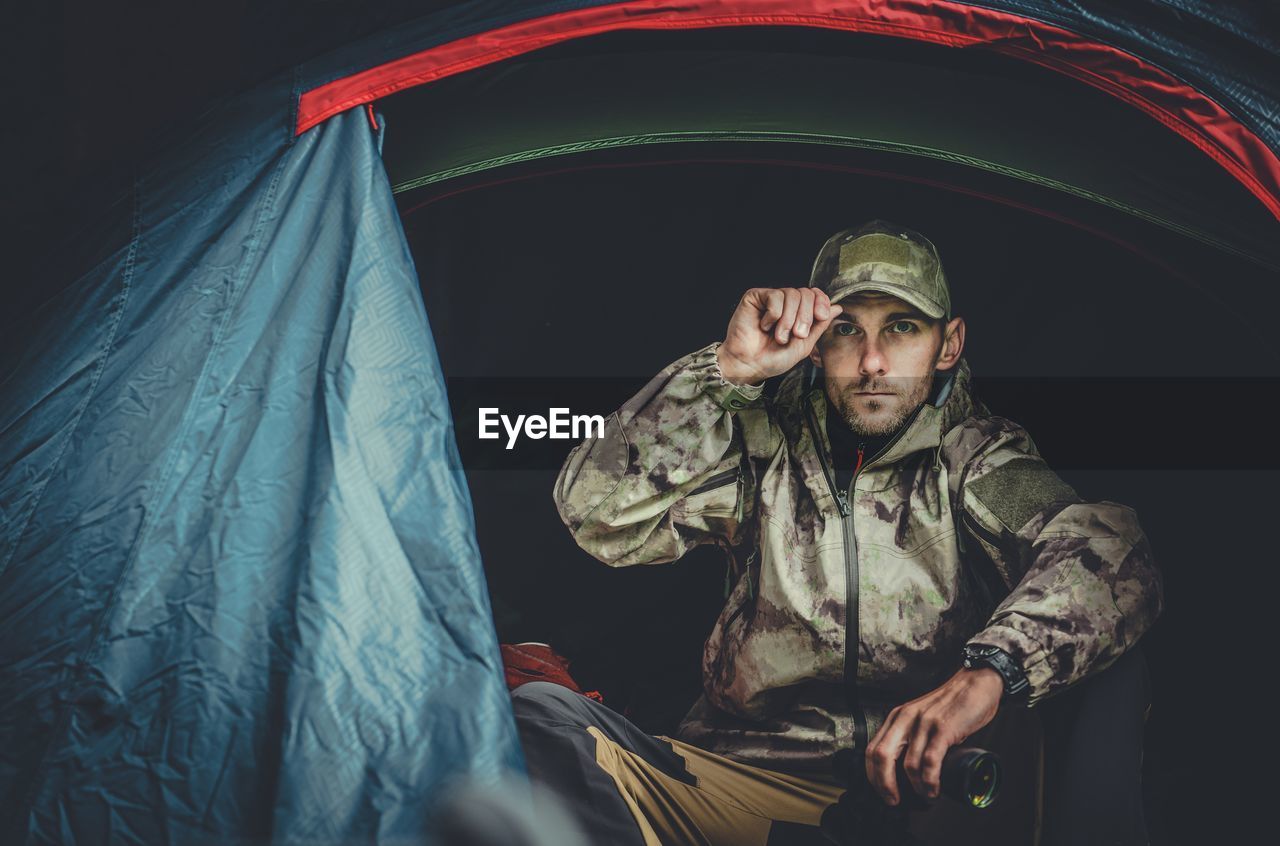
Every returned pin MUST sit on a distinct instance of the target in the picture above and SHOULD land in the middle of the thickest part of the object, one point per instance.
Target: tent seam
(59, 725)
(1180, 127)
(295, 102)
(254, 243)
(130, 263)
(998, 198)
(1055, 18)
(94, 646)
(519, 48)
(595, 144)
(1217, 150)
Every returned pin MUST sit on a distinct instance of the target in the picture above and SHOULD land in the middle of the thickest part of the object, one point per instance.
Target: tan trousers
(727, 802)
(628, 788)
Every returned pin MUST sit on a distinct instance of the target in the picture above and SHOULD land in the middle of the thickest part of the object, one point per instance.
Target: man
(905, 560)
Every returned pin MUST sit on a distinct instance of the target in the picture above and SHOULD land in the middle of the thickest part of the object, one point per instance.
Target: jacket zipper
(987, 575)
(851, 615)
(722, 479)
(714, 482)
(978, 529)
(737, 612)
(852, 640)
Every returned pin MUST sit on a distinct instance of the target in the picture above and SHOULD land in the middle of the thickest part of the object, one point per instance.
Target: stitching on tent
(531, 43)
(1004, 200)
(614, 142)
(125, 288)
(58, 725)
(94, 646)
(1204, 142)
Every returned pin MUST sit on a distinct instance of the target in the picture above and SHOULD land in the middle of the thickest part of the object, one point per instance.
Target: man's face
(878, 359)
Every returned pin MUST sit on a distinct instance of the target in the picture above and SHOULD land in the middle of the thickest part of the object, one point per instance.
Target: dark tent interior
(1117, 334)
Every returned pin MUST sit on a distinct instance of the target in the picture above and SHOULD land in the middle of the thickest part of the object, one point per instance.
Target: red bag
(526, 662)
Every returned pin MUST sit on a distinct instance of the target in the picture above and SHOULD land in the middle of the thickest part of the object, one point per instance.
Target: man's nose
(873, 360)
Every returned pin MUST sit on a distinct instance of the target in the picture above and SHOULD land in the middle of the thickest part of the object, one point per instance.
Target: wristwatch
(976, 656)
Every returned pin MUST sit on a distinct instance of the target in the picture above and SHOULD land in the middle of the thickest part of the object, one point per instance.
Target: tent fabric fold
(241, 594)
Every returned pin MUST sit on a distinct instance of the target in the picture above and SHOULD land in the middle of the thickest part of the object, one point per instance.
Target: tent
(241, 592)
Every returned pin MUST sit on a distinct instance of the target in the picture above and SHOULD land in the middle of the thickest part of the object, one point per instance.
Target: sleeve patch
(1020, 489)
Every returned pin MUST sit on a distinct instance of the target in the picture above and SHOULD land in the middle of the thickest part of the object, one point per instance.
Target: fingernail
(802, 329)
(783, 336)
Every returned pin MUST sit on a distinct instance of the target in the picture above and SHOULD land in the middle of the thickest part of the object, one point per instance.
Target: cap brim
(907, 295)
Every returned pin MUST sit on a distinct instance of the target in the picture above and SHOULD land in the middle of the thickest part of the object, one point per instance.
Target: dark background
(618, 290)
(91, 88)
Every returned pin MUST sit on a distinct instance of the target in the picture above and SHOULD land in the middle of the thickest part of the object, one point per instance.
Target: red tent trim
(1175, 104)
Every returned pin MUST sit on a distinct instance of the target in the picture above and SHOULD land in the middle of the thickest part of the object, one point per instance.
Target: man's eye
(845, 329)
(902, 327)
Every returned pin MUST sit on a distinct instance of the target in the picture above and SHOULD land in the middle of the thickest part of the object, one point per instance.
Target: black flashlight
(971, 776)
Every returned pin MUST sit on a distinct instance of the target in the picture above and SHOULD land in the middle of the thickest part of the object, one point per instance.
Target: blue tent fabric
(241, 594)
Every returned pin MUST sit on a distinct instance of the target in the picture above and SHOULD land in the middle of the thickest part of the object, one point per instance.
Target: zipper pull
(842, 497)
(728, 582)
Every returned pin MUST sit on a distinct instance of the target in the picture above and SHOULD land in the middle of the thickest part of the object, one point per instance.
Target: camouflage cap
(884, 257)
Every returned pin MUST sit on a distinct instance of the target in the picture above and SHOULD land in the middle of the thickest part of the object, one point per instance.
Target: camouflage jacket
(957, 532)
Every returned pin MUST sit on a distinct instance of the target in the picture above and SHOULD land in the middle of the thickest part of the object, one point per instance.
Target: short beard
(842, 393)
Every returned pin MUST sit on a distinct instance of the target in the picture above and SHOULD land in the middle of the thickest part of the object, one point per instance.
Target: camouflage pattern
(885, 257)
(962, 535)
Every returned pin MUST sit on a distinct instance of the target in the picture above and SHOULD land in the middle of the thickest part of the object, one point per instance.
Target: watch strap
(1015, 680)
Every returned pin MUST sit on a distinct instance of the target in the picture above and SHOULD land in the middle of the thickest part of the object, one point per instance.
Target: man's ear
(815, 355)
(952, 344)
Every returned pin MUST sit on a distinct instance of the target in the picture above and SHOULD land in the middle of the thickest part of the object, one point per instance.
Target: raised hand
(772, 330)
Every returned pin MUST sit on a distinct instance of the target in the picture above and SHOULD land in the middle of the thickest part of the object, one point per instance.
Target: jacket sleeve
(671, 470)
(1082, 585)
